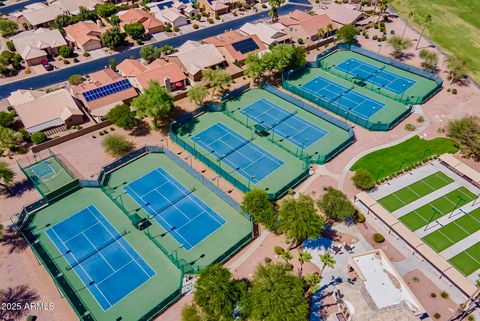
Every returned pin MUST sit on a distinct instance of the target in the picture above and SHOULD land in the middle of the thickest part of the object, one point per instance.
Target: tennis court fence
(338, 109)
(389, 61)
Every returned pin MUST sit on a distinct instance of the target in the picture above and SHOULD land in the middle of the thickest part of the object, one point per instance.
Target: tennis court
(376, 75)
(415, 191)
(105, 262)
(455, 231)
(240, 154)
(288, 125)
(176, 208)
(429, 213)
(347, 98)
(468, 261)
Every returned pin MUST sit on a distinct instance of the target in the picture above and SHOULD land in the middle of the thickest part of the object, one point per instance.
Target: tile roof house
(269, 34)
(35, 45)
(39, 16)
(302, 25)
(73, 6)
(217, 7)
(40, 111)
(194, 57)
(151, 24)
(104, 90)
(85, 35)
(341, 13)
(236, 46)
(172, 17)
(167, 74)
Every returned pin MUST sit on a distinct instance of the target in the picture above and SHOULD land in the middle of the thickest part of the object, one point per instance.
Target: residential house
(183, 7)
(38, 15)
(217, 7)
(104, 90)
(308, 27)
(41, 111)
(149, 22)
(85, 35)
(377, 292)
(236, 46)
(342, 14)
(167, 74)
(35, 45)
(269, 34)
(73, 6)
(193, 57)
(172, 17)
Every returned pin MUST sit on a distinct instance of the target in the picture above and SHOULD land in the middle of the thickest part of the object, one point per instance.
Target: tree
(457, 68)
(113, 38)
(117, 145)
(197, 94)
(38, 137)
(217, 293)
(410, 16)
(6, 119)
(149, 53)
(115, 20)
(383, 6)
(286, 56)
(312, 281)
(166, 49)
(135, 30)
(8, 28)
(14, 240)
(65, 51)
(262, 210)
(84, 15)
(276, 295)
(303, 257)
(62, 20)
(20, 295)
(217, 79)
(466, 132)
(427, 21)
(299, 220)
(286, 256)
(429, 59)
(8, 138)
(122, 116)
(190, 313)
(347, 34)
(76, 79)
(6, 175)
(398, 45)
(363, 179)
(7, 57)
(327, 260)
(254, 66)
(274, 5)
(336, 205)
(155, 102)
(105, 10)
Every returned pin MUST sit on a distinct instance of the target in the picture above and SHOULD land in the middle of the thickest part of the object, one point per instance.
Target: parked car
(48, 66)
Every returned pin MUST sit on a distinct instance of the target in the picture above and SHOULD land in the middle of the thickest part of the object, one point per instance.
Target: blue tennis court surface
(239, 153)
(105, 262)
(346, 98)
(288, 125)
(377, 76)
(174, 207)
(42, 169)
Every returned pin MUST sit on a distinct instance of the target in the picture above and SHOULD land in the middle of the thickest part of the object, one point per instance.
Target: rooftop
(267, 33)
(84, 31)
(42, 15)
(195, 57)
(31, 43)
(340, 13)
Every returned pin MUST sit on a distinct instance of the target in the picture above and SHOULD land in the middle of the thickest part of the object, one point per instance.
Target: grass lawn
(455, 26)
(384, 162)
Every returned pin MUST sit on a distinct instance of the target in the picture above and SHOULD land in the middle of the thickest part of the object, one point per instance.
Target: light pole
(379, 47)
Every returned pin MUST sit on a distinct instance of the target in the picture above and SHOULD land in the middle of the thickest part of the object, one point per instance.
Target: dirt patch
(392, 253)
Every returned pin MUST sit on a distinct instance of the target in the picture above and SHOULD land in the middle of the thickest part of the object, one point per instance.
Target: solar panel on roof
(245, 46)
(107, 90)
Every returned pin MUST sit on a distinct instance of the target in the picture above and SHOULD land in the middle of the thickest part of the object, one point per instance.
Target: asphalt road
(63, 74)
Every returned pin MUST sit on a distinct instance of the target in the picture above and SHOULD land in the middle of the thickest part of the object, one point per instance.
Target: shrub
(375, 37)
(278, 250)
(195, 26)
(76, 79)
(75, 60)
(66, 62)
(454, 91)
(410, 127)
(433, 295)
(176, 29)
(27, 72)
(122, 116)
(363, 179)
(377, 237)
(116, 145)
(264, 6)
(10, 45)
(26, 137)
(300, 41)
(31, 318)
(360, 218)
(289, 267)
(217, 17)
(437, 315)
(38, 137)
(65, 51)
(444, 294)
(420, 119)
(86, 54)
(210, 20)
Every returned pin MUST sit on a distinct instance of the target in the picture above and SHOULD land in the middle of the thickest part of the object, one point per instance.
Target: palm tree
(329, 29)
(312, 281)
(286, 256)
(398, 45)
(303, 257)
(320, 33)
(6, 176)
(383, 6)
(327, 260)
(410, 16)
(15, 240)
(274, 5)
(20, 295)
(428, 19)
